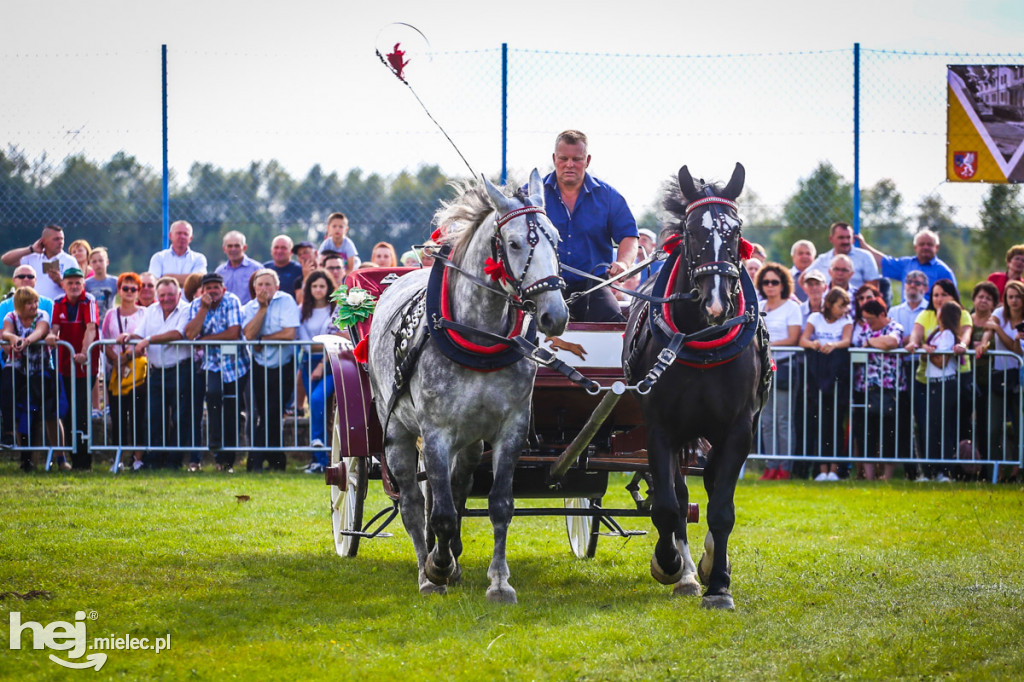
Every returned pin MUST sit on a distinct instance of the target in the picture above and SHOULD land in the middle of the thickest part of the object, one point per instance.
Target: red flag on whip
(395, 58)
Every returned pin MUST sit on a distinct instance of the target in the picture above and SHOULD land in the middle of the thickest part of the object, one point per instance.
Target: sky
(301, 84)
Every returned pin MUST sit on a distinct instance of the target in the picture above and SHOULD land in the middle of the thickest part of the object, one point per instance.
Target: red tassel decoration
(495, 270)
(746, 249)
(361, 350)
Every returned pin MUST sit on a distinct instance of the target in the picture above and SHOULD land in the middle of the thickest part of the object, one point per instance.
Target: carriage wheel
(583, 531)
(347, 505)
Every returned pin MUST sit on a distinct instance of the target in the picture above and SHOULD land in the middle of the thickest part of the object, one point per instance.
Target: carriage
(561, 410)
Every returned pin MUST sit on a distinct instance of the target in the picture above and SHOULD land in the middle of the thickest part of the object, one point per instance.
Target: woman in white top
(128, 413)
(783, 320)
(1004, 326)
(316, 315)
(826, 333)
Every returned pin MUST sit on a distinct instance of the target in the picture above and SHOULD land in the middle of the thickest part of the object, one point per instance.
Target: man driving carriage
(591, 216)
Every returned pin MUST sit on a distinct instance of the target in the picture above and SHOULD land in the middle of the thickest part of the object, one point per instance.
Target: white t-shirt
(44, 285)
(1003, 362)
(167, 262)
(318, 322)
(942, 340)
(825, 331)
(779, 321)
(865, 269)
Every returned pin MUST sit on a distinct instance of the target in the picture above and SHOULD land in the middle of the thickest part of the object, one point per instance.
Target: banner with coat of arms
(985, 123)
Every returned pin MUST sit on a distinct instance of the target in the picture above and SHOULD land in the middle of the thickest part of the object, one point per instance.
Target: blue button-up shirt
(600, 219)
(234, 363)
(935, 269)
(236, 280)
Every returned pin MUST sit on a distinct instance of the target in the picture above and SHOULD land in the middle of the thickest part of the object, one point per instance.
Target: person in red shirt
(75, 320)
(1014, 268)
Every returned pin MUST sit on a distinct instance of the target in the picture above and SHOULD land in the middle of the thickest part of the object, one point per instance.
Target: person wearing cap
(216, 315)
(648, 242)
(410, 260)
(288, 271)
(239, 267)
(179, 261)
(271, 316)
(815, 286)
(591, 217)
(309, 260)
(76, 321)
(47, 257)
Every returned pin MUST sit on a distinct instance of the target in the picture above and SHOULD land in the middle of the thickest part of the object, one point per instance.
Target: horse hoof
(456, 576)
(688, 587)
(438, 575)
(502, 595)
(663, 577)
(720, 602)
(428, 588)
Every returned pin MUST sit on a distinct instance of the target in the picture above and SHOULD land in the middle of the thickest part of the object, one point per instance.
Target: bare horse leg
(720, 483)
(500, 506)
(402, 462)
(687, 585)
(667, 566)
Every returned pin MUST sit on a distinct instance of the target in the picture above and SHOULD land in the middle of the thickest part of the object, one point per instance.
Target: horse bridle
(726, 268)
(515, 285)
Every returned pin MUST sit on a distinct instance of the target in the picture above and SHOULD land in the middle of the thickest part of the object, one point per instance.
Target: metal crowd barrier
(27, 402)
(970, 420)
(166, 418)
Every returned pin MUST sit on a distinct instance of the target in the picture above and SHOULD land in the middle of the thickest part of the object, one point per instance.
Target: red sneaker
(781, 475)
(768, 475)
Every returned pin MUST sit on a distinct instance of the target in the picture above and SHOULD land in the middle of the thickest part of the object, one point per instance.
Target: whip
(395, 62)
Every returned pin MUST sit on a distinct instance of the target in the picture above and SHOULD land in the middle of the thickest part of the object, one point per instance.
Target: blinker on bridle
(533, 232)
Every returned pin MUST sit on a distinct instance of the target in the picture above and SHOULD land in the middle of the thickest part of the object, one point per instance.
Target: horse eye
(514, 245)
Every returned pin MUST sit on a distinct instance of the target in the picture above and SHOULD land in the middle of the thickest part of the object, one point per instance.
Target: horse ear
(735, 186)
(536, 189)
(686, 185)
(498, 199)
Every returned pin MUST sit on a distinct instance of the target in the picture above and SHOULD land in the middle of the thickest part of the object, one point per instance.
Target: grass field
(843, 580)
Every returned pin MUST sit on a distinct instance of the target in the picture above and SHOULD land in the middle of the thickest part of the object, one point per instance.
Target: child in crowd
(338, 241)
(941, 373)
(826, 333)
(103, 288)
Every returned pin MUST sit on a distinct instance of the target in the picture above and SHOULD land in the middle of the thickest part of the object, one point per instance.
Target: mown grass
(848, 580)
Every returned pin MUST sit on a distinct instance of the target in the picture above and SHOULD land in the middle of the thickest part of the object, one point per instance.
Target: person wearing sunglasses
(128, 412)
(784, 321)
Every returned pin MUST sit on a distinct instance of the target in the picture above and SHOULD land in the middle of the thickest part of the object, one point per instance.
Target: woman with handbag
(126, 370)
(876, 384)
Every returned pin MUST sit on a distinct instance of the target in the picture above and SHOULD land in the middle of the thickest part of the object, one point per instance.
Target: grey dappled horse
(454, 408)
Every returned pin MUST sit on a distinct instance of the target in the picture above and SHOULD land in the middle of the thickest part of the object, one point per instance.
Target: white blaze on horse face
(716, 307)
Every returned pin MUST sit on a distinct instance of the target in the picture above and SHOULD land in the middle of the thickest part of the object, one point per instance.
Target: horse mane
(460, 218)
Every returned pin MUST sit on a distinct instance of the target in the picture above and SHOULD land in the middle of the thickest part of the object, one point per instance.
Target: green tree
(1002, 224)
(822, 198)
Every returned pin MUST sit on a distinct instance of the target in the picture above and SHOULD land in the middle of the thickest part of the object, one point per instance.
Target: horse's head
(711, 243)
(524, 254)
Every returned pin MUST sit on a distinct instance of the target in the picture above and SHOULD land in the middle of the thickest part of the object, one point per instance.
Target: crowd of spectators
(237, 371)
(828, 305)
(927, 402)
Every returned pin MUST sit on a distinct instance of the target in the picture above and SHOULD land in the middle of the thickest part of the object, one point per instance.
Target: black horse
(704, 353)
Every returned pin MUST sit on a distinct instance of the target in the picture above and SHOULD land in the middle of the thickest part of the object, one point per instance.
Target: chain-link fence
(268, 143)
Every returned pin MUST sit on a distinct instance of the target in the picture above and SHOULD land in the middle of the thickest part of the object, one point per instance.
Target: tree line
(117, 204)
